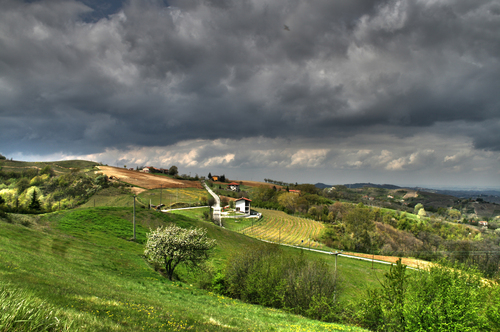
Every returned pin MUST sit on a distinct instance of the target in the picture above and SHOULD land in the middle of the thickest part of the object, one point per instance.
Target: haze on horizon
(383, 91)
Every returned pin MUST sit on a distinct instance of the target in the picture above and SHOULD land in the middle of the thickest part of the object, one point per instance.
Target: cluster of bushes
(443, 298)
(266, 275)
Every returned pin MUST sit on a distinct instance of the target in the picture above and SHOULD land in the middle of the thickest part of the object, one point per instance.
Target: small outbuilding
(243, 205)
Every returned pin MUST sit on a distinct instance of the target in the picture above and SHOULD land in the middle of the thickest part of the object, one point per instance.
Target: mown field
(84, 266)
(172, 197)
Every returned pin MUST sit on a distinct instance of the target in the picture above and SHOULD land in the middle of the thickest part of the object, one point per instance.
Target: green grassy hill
(62, 166)
(82, 263)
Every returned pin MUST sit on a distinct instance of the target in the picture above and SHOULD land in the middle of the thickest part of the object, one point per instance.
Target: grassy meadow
(173, 197)
(83, 266)
(63, 166)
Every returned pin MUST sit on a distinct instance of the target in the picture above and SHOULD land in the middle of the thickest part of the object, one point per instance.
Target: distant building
(483, 223)
(243, 205)
(233, 186)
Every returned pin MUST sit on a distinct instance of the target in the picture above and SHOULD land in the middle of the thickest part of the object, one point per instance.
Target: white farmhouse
(243, 205)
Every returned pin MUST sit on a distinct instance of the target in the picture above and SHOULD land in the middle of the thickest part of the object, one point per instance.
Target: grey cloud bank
(358, 89)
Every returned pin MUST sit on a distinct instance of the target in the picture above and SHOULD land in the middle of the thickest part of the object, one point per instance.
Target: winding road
(216, 207)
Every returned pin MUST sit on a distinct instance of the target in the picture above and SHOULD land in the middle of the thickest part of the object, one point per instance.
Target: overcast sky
(388, 91)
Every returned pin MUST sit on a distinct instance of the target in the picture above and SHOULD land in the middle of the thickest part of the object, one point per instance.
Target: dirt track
(412, 262)
(145, 180)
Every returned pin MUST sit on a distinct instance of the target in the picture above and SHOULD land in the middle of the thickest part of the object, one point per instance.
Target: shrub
(443, 298)
(47, 170)
(265, 275)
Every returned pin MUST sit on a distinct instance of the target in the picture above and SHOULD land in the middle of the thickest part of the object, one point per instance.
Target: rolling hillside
(81, 263)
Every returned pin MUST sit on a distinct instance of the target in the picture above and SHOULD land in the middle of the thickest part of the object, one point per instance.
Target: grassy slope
(170, 196)
(111, 197)
(62, 166)
(82, 262)
(356, 276)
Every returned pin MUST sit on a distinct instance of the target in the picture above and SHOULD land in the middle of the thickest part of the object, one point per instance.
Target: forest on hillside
(49, 188)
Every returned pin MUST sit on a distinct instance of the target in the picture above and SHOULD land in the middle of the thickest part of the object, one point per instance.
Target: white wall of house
(243, 206)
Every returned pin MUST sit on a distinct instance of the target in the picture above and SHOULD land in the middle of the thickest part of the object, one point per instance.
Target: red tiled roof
(244, 198)
(233, 184)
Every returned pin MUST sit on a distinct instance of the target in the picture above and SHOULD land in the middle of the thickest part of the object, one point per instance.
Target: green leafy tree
(288, 200)
(173, 170)
(171, 245)
(22, 184)
(455, 214)
(47, 170)
(2, 157)
(418, 207)
(393, 292)
(446, 298)
(359, 225)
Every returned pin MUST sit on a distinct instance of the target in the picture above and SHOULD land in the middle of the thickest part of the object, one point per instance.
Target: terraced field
(279, 227)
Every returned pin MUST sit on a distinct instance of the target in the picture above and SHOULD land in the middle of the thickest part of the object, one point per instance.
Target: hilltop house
(233, 186)
(243, 205)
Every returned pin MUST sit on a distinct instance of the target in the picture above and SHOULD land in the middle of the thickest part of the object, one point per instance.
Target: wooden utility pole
(134, 218)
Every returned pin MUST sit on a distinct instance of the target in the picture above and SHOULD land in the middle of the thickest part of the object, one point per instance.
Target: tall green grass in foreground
(21, 311)
(82, 266)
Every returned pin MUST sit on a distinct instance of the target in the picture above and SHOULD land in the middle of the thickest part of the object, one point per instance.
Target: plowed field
(145, 180)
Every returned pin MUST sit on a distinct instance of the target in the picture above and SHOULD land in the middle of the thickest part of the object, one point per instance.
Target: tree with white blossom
(172, 245)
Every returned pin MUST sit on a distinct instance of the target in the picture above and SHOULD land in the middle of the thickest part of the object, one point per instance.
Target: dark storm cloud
(77, 80)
